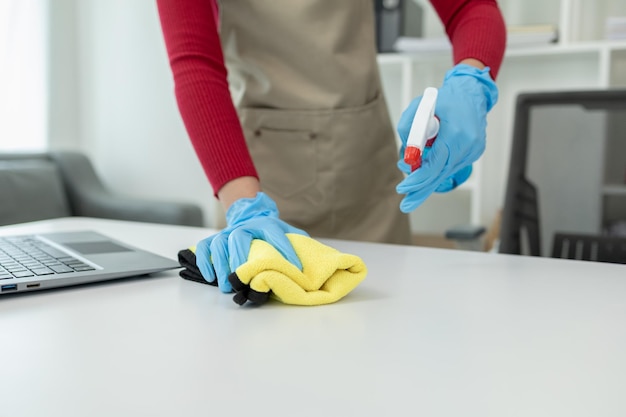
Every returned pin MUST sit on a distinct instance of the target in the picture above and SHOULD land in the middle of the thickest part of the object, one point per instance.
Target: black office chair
(589, 247)
(567, 176)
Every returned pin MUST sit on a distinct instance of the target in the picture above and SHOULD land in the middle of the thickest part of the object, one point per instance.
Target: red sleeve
(475, 28)
(201, 87)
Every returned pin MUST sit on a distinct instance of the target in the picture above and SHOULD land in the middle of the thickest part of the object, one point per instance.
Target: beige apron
(304, 77)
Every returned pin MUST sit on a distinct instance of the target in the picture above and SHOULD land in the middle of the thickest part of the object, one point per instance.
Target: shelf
(567, 49)
(590, 47)
(614, 189)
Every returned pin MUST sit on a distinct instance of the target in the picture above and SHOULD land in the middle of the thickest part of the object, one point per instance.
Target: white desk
(430, 332)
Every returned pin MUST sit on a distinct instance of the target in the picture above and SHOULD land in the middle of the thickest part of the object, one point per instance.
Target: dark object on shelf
(396, 18)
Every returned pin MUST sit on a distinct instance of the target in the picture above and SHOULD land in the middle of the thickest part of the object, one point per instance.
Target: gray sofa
(59, 184)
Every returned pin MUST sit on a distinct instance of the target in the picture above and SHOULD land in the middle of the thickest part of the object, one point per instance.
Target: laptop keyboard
(25, 256)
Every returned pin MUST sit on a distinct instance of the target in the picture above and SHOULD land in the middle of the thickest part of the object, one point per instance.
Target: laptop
(49, 260)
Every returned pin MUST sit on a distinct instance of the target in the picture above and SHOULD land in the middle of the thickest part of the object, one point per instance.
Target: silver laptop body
(48, 260)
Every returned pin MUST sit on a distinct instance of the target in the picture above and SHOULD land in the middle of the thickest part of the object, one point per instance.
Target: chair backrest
(589, 248)
(567, 172)
(31, 189)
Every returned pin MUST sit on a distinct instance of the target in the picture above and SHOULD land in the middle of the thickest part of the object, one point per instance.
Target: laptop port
(8, 287)
(35, 285)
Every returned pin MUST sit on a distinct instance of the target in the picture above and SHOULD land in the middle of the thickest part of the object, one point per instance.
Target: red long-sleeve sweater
(475, 28)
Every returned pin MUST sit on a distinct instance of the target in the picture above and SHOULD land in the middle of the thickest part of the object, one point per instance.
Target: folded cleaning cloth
(327, 275)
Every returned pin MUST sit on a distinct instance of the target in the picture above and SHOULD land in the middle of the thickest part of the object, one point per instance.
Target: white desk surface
(430, 332)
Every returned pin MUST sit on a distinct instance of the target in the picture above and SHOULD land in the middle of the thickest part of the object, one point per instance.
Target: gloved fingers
(239, 242)
(295, 230)
(432, 171)
(220, 257)
(203, 259)
(283, 245)
(403, 166)
(424, 181)
(414, 199)
(241, 238)
(455, 180)
(406, 120)
(276, 237)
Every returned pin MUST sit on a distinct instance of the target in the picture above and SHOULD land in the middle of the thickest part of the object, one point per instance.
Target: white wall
(113, 97)
(23, 69)
(63, 72)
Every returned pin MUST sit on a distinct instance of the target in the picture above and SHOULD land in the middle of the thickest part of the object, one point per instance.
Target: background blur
(93, 75)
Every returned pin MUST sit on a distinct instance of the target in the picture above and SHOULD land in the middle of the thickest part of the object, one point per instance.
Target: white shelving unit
(580, 59)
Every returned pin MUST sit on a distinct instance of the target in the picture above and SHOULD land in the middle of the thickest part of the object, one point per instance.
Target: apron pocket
(284, 159)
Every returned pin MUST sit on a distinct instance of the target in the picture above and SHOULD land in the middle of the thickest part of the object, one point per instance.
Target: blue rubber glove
(246, 219)
(464, 99)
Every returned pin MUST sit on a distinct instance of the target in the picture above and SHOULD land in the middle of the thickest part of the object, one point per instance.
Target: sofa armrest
(31, 189)
(90, 198)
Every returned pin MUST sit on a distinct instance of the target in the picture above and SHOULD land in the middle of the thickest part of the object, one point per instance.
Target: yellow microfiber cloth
(327, 275)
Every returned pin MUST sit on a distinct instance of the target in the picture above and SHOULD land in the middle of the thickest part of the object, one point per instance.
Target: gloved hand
(246, 219)
(327, 274)
(464, 99)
